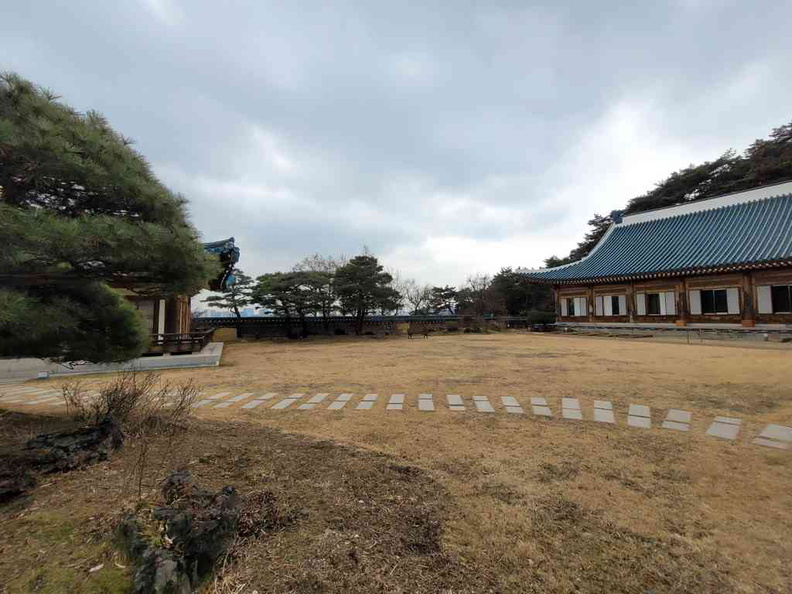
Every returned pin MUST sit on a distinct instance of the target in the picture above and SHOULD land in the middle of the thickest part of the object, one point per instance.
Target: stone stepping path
(396, 402)
(775, 436)
(678, 420)
(482, 404)
(603, 412)
(426, 402)
(455, 402)
(287, 402)
(725, 428)
(234, 400)
(313, 401)
(570, 409)
(511, 405)
(540, 408)
(367, 402)
(208, 401)
(260, 400)
(340, 402)
(639, 415)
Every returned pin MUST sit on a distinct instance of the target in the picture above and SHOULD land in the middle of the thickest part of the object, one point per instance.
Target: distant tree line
(360, 287)
(766, 161)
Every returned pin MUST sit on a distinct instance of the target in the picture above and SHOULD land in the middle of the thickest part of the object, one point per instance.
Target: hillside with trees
(766, 161)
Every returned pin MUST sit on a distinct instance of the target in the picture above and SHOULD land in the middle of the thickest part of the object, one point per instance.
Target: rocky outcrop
(195, 528)
(58, 452)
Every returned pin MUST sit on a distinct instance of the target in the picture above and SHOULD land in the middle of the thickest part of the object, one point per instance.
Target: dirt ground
(528, 505)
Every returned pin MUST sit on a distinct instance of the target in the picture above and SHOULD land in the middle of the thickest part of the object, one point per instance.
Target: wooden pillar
(748, 306)
(631, 302)
(591, 308)
(683, 308)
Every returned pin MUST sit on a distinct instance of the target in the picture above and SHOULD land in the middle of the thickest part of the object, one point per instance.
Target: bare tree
(418, 296)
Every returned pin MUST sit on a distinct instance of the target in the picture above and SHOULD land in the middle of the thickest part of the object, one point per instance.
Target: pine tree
(81, 212)
(236, 296)
(363, 287)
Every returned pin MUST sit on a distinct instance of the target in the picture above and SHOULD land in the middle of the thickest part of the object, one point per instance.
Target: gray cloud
(449, 137)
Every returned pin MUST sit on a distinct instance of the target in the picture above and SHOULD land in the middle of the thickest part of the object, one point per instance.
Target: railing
(183, 342)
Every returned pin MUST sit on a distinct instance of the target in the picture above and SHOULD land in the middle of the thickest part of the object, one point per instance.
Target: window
(781, 298)
(570, 306)
(615, 311)
(653, 304)
(714, 301)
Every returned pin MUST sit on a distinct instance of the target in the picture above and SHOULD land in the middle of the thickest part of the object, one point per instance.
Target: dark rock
(199, 527)
(15, 480)
(57, 452)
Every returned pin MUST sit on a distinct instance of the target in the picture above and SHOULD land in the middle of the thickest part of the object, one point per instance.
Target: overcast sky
(450, 137)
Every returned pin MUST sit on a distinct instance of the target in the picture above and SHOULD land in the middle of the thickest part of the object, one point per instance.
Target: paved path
(639, 416)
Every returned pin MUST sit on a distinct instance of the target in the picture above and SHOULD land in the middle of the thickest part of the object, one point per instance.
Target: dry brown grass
(551, 506)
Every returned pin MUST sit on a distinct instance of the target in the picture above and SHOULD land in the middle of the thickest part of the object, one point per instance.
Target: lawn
(499, 503)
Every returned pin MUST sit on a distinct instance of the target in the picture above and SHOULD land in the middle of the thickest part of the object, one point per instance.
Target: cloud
(451, 139)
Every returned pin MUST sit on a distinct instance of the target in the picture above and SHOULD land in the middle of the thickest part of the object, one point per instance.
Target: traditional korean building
(169, 319)
(724, 260)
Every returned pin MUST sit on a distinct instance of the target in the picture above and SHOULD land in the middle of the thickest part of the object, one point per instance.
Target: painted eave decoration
(228, 254)
(748, 230)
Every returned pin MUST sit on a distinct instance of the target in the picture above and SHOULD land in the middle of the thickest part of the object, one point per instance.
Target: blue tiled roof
(676, 241)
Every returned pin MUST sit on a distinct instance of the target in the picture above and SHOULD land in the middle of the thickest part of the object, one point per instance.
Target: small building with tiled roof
(724, 260)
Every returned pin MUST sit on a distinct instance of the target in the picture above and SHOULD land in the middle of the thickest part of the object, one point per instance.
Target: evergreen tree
(290, 294)
(235, 297)
(363, 287)
(444, 299)
(80, 211)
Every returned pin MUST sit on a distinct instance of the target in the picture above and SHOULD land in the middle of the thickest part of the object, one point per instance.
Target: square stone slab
(424, 396)
(365, 405)
(770, 443)
(724, 430)
(639, 410)
(570, 413)
(479, 398)
(370, 398)
(538, 401)
(571, 403)
(483, 406)
(285, 403)
(679, 416)
(306, 406)
(394, 406)
(509, 401)
(515, 410)
(397, 399)
(455, 407)
(219, 396)
(233, 400)
(778, 432)
(344, 398)
(728, 420)
(426, 405)
(542, 411)
(255, 403)
(318, 398)
(201, 403)
(603, 404)
(455, 400)
(642, 422)
(602, 415)
(337, 404)
(675, 425)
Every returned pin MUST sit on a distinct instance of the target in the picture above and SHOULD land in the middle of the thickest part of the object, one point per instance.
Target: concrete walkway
(638, 416)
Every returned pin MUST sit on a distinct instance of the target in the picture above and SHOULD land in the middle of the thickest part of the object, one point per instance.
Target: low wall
(271, 327)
